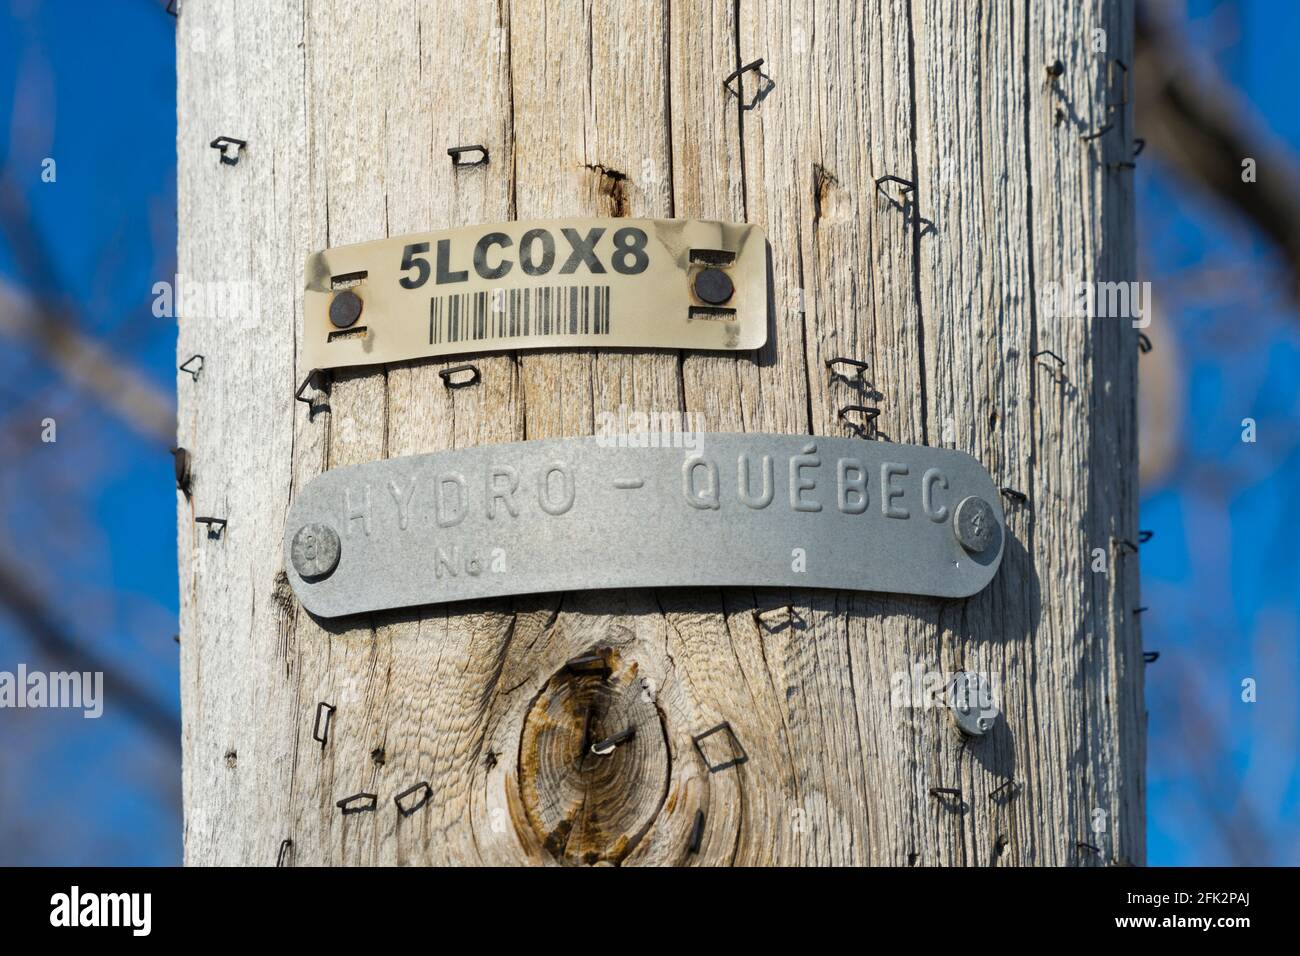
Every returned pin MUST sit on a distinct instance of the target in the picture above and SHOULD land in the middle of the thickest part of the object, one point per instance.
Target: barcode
(511, 313)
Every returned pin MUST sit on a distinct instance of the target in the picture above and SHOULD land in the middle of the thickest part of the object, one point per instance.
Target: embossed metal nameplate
(557, 515)
(592, 283)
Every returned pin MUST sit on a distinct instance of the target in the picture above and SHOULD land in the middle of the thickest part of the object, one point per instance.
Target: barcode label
(513, 313)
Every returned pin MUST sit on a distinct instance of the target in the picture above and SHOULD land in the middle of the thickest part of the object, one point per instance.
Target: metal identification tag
(593, 283)
(730, 509)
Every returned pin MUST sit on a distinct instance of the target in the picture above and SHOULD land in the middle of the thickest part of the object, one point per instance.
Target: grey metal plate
(572, 514)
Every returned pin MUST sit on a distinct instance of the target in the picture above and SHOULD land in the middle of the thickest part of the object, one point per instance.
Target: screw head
(345, 308)
(974, 523)
(971, 700)
(714, 286)
(315, 551)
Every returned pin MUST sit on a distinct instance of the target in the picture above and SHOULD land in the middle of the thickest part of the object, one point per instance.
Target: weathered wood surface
(618, 109)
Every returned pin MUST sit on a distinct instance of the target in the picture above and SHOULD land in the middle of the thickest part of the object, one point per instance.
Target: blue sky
(1222, 574)
(92, 516)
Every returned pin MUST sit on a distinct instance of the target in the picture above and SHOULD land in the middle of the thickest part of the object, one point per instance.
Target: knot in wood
(584, 807)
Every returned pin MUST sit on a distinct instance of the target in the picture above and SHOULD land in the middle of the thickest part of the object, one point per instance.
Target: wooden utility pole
(619, 109)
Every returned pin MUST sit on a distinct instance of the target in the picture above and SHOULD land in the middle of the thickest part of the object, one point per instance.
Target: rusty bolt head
(345, 309)
(714, 286)
(974, 524)
(315, 551)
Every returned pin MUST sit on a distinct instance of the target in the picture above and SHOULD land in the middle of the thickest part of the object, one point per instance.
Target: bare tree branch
(39, 318)
(87, 364)
(31, 611)
(1204, 129)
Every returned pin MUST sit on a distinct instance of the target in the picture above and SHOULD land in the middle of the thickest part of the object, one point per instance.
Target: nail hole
(347, 280)
(358, 333)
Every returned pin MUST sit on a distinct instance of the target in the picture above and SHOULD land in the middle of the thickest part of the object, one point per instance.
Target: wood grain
(608, 109)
